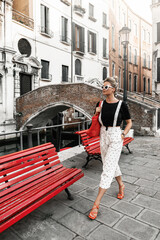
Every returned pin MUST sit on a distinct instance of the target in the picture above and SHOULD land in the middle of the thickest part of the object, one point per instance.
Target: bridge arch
(40, 118)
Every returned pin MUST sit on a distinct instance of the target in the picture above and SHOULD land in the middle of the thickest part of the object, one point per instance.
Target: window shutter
(94, 43)
(158, 69)
(158, 32)
(42, 18)
(82, 39)
(47, 20)
(73, 37)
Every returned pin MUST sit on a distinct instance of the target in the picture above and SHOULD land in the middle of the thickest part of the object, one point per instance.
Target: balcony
(66, 2)
(46, 32)
(79, 10)
(23, 19)
(78, 78)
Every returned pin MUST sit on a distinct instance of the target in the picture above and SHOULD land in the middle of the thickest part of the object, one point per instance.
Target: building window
(144, 59)
(45, 69)
(158, 32)
(113, 69)
(148, 61)
(78, 114)
(158, 69)
(64, 29)
(104, 47)
(124, 19)
(144, 34)
(44, 19)
(0, 88)
(130, 24)
(104, 19)
(78, 38)
(113, 37)
(149, 38)
(135, 57)
(119, 46)
(112, 3)
(119, 82)
(135, 29)
(104, 73)
(91, 42)
(78, 67)
(144, 84)
(130, 82)
(149, 86)
(91, 10)
(135, 83)
(78, 2)
(64, 73)
(130, 54)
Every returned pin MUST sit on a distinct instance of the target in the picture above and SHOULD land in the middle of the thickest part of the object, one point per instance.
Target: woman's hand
(122, 136)
(98, 110)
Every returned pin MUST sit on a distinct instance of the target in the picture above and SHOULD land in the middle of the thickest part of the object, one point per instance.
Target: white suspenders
(115, 115)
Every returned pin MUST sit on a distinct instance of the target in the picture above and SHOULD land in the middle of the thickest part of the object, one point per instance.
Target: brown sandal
(93, 214)
(121, 195)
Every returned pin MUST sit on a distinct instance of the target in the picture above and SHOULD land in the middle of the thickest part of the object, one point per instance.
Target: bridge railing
(33, 136)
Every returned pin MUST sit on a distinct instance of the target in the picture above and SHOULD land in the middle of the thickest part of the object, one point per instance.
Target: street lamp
(124, 34)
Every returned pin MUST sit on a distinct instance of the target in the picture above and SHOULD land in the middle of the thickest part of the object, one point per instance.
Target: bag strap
(116, 113)
(100, 104)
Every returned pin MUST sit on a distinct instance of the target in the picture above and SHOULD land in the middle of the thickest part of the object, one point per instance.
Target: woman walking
(112, 113)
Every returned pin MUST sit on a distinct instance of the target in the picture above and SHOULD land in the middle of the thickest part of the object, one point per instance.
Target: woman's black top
(108, 112)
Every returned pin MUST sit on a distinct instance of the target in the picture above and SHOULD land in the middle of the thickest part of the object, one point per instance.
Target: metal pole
(21, 140)
(79, 138)
(38, 137)
(125, 75)
(71, 44)
(29, 130)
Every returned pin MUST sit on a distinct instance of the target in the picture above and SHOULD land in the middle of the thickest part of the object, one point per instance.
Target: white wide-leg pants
(111, 146)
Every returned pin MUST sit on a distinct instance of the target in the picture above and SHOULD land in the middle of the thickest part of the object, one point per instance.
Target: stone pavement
(137, 216)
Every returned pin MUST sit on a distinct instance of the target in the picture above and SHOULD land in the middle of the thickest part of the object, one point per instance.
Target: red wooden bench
(28, 179)
(92, 146)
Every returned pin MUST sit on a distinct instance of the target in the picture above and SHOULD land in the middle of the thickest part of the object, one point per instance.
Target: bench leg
(128, 148)
(69, 194)
(88, 160)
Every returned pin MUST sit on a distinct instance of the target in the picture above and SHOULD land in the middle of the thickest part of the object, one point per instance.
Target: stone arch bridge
(43, 103)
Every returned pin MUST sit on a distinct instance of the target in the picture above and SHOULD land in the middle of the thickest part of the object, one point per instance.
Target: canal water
(68, 139)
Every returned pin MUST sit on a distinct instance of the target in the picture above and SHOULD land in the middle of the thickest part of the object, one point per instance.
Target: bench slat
(20, 154)
(33, 191)
(23, 213)
(38, 195)
(10, 192)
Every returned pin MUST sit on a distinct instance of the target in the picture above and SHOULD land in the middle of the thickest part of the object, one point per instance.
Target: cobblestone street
(137, 216)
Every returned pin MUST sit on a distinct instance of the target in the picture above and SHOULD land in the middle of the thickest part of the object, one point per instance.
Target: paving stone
(91, 194)
(107, 216)
(157, 195)
(146, 191)
(147, 202)
(76, 188)
(62, 197)
(148, 184)
(150, 217)
(83, 206)
(129, 195)
(136, 229)
(105, 233)
(8, 234)
(55, 208)
(89, 182)
(78, 223)
(129, 179)
(127, 208)
(158, 237)
(128, 186)
(34, 227)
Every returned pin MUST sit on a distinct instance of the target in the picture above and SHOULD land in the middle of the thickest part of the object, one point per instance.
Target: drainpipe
(71, 44)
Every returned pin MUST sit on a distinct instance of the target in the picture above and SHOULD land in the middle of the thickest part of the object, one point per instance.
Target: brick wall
(40, 103)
